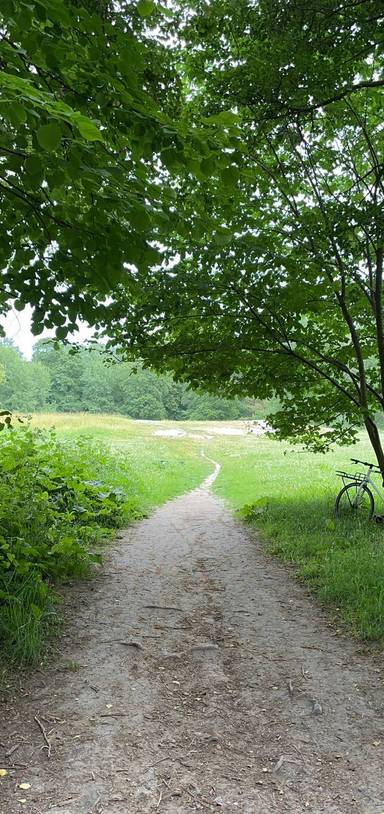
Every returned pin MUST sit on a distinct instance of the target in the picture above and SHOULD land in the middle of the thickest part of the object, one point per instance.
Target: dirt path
(200, 714)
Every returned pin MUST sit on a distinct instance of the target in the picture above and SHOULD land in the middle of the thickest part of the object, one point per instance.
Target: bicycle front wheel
(355, 500)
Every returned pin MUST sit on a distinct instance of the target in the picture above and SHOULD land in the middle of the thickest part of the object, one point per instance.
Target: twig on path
(163, 607)
(48, 746)
(137, 645)
(172, 627)
(279, 763)
(159, 800)
(305, 673)
(197, 798)
(298, 752)
(121, 641)
(284, 759)
(115, 715)
(171, 759)
(12, 750)
(290, 687)
(95, 806)
(66, 802)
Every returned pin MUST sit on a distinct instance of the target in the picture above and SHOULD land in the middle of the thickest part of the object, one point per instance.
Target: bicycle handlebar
(366, 463)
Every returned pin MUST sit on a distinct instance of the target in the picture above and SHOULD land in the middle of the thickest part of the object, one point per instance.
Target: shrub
(55, 509)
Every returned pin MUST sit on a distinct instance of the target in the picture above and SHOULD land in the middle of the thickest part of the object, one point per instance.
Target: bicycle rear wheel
(355, 500)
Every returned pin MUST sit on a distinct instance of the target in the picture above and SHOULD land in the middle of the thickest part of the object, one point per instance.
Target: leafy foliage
(54, 510)
(215, 206)
(286, 297)
(92, 380)
(251, 511)
(90, 121)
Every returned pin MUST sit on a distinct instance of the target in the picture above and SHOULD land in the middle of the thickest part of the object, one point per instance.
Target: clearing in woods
(196, 675)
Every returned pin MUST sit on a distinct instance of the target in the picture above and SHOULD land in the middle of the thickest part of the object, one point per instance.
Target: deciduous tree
(286, 296)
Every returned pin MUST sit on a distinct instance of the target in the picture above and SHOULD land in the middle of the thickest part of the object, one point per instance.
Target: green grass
(45, 541)
(342, 562)
(26, 621)
(152, 468)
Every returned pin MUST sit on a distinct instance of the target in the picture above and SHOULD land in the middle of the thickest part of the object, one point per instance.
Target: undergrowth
(58, 501)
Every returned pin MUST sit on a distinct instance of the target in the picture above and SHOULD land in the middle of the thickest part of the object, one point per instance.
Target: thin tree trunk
(374, 437)
(379, 313)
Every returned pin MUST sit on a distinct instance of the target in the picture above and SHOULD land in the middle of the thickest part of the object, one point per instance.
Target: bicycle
(356, 495)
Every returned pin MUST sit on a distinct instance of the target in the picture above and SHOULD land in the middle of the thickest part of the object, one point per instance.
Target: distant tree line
(90, 380)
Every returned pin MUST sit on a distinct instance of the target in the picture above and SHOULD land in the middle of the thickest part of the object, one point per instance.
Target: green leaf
(33, 165)
(166, 11)
(208, 166)
(140, 220)
(226, 118)
(16, 114)
(61, 332)
(88, 129)
(230, 176)
(222, 238)
(49, 136)
(146, 7)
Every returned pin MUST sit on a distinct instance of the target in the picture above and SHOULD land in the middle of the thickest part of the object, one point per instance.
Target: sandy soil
(196, 675)
(254, 427)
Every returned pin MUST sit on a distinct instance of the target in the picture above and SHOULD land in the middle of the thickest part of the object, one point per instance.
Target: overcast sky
(17, 325)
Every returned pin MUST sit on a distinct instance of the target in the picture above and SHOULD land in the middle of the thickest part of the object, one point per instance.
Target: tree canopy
(92, 380)
(286, 297)
(224, 222)
(93, 137)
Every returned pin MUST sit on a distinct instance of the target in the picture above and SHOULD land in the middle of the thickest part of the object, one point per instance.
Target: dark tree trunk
(375, 440)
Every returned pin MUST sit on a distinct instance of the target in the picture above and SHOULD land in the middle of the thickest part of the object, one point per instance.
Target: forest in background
(92, 380)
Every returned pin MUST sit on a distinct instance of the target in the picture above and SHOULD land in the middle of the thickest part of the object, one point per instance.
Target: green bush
(55, 509)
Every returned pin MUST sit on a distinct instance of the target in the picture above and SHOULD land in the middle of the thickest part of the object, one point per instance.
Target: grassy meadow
(294, 492)
(153, 468)
(342, 562)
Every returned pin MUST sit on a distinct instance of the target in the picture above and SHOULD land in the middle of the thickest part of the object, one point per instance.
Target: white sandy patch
(174, 433)
(171, 433)
(254, 427)
(259, 427)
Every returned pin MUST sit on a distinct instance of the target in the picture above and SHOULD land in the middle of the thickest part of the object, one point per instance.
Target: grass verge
(294, 493)
(61, 496)
(289, 497)
(151, 468)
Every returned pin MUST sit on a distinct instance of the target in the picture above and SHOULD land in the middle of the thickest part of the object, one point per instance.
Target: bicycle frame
(367, 480)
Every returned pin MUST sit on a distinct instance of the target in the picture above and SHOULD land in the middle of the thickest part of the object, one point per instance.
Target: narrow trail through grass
(343, 563)
(170, 691)
(153, 468)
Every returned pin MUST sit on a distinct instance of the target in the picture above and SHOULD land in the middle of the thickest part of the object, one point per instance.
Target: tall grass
(28, 613)
(61, 495)
(156, 468)
(294, 494)
(341, 562)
